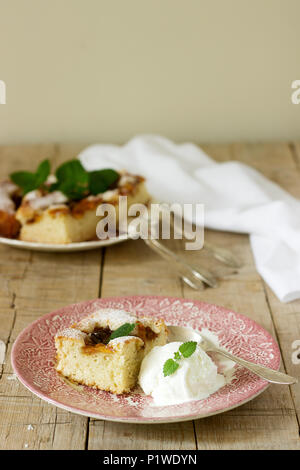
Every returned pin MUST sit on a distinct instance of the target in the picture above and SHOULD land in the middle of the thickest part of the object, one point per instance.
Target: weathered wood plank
(244, 291)
(246, 433)
(27, 422)
(131, 268)
(33, 284)
(285, 172)
(120, 436)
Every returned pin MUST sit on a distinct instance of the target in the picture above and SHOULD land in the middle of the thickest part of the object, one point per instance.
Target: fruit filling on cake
(105, 349)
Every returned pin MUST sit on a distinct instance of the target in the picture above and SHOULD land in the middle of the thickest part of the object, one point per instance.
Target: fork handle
(197, 274)
(219, 253)
(223, 255)
(266, 373)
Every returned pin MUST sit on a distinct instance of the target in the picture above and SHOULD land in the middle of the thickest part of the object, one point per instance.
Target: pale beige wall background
(104, 70)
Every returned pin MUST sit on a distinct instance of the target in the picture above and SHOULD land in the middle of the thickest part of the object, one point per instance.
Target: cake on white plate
(86, 354)
(59, 209)
(53, 218)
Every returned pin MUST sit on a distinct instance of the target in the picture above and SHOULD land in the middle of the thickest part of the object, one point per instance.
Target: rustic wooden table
(35, 283)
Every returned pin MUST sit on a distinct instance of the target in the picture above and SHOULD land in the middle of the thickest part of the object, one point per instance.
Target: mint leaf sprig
(185, 350)
(28, 181)
(76, 183)
(123, 330)
(72, 180)
(170, 366)
(101, 180)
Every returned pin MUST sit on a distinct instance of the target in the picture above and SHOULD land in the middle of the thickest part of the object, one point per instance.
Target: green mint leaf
(101, 180)
(42, 173)
(72, 180)
(73, 170)
(70, 189)
(170, 367)
(23, 179)
(177, 356)
(124, 330)
(188, 348)
(28, 181)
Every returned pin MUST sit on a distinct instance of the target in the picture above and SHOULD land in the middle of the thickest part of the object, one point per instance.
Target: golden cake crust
(113, 366)
(51, 218)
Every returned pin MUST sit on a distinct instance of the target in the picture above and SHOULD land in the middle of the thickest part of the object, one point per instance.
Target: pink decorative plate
(33, 360)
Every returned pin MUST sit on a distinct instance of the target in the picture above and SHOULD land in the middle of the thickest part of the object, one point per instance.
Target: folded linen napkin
(236, 198)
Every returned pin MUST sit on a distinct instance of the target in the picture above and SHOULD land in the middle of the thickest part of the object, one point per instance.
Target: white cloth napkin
(237, 198)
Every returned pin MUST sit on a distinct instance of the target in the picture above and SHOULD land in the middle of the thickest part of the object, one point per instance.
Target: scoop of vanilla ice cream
(196, 377)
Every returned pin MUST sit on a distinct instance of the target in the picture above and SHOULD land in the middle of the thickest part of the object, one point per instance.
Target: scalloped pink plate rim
(235, 331)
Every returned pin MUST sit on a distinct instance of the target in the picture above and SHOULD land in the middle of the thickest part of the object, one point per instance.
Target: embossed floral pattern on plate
(33, 356)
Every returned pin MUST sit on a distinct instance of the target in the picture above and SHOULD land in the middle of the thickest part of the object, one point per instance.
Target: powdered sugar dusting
(106, 317)
(123, 339)
(114, 318)
(126, 178)
(7, 189)
(39, 202)
(110, 195)
(72, 333)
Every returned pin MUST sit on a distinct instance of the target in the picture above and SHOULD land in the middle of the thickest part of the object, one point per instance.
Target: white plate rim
(62, 248)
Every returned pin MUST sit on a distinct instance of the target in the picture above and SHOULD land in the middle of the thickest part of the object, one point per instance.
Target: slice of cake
(90, 354)
(62, 208)
(51, 217)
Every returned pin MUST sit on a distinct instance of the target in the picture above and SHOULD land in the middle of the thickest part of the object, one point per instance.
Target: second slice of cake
(87, 355)
(51, 217)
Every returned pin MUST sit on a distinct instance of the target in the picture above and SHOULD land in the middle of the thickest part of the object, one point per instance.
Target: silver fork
(192, 276)
(220, 253)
